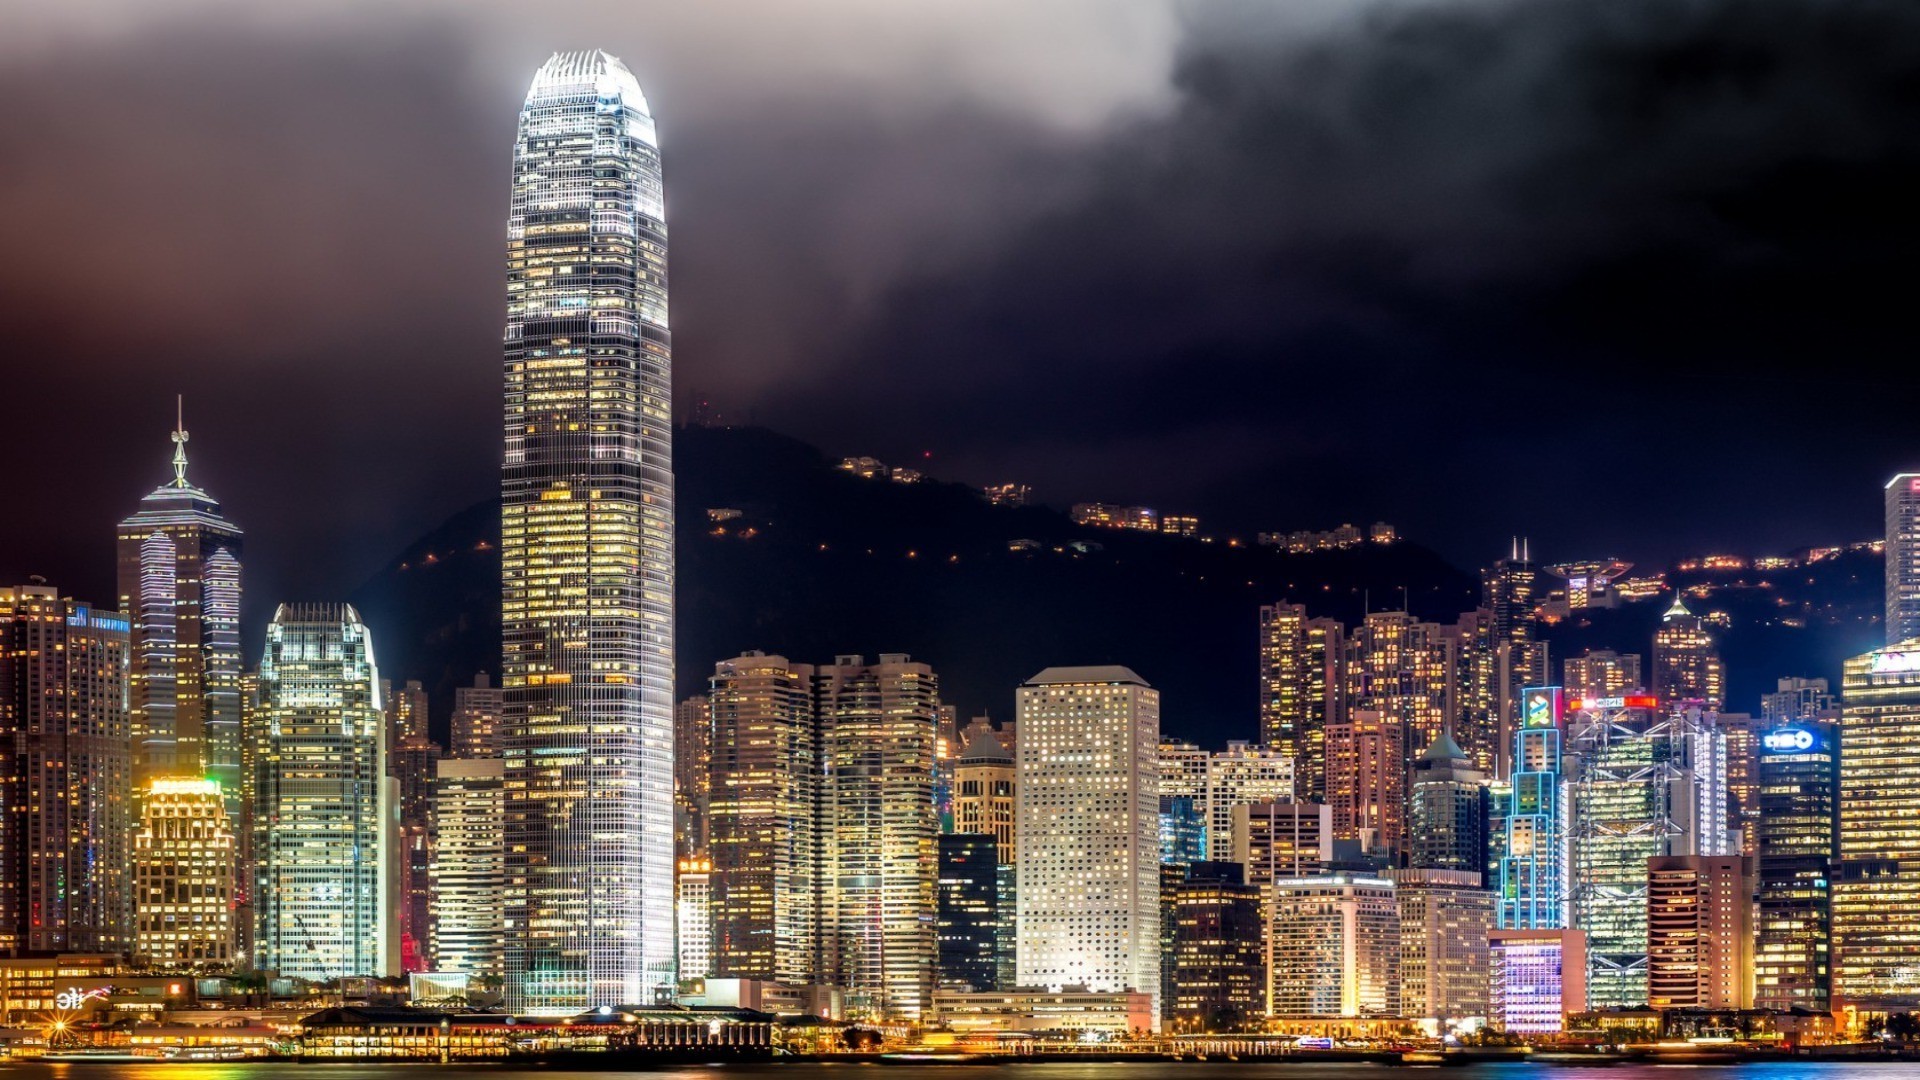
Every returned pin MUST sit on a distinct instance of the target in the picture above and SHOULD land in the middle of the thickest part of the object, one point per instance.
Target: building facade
(1537, 979)
(1087, 810)
(693, 917)
(326, 889)
(983, 790)
(1700, 932)
(1367, 779)
(1300, 688)
(1685, 665)
(185, 862)
(692, 774)
(1218, 961)
(476, 720)
(1876, 894)
(968, 917)
(1903, 558)
(469, 869)
(1793, 866)
(1445, 919)
(1531, 848)
(1336, 947)
(1447, 810)
(587, 548)
(67, 827)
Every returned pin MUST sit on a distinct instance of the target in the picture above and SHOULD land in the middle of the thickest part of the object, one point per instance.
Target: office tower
(67, 823)
(1742, 732)
(469, 865)
(1239, 775)
(1538, 979)
(1509, 592)
(1532, 852)
(1366, 779)
(476, 720)
(692, 775)
(1903, 558)
(1447, 810)
(1183, 802)
(1278, 840)
(1602, 673)
(325, 881)
(1685, 665)
(878, 724)
(1404, 670)
(693, 917)
(184, 866)
(1300, 687)
(1797, 701)
(1645, 783)
(1172, 875)
(586, 548)
(1219, 965)
(412, 758)
(1699, 932)
(1477, 674)
(1876, 894)
(764, 822)
(1087, 811)
(1336, 947)
(1793, 857)
(179, 569)
(983, 800)
(1445, 917)
(968, 915)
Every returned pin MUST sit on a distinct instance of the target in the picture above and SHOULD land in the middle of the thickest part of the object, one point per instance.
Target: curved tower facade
(587, 549)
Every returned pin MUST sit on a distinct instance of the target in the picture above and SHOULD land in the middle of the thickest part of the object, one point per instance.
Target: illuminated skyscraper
(765, 822)
(66, 822)
(1239, 775)
(1447, 811)
(878, 724)
(326, 882)
(693, 917)
(1510, 595)
(1794, 866)
(1404, 670)
(1088, 821)
(983, 781)
(1798, 701)
(1218, 962)
(1600, 673)
(1183, 802)
(180, 589)
(1903, 558)
(476, 720)
(1685, 665)
(1876, 893)
(1532, 848)
(469, 865)
(969, 915)
(184, 866)
(587, 548)
(1336, 947)
(1300, 687)
(411, 760)
(692, 775)
(1700, 932)
(1445, 919)
(1367, 779)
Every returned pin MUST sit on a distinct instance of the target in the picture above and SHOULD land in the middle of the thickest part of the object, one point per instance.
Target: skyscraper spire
(180, 441)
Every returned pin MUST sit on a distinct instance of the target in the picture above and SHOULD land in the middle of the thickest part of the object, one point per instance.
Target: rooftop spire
(180, 441)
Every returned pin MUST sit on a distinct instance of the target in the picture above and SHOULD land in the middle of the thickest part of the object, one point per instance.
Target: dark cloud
(1626, 276)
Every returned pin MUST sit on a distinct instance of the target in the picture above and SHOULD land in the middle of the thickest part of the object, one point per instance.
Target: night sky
(1631, 277)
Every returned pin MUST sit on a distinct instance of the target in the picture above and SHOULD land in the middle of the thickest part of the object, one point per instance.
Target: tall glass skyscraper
(180, 589)
(587, 548)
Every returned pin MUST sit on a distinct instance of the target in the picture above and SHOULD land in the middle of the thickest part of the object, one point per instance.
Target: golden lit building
(469, 865)
(1445, 919)
(1300, 688)
(1685, 665)
(185, 863)
(1700, 932)
(983, 792)
(1876, 893)
(1336, 947)
(1366, 779)
(693, 916)
(692, 775)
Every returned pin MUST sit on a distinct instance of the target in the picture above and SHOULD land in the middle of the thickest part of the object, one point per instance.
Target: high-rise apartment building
(1445, 919)
(765, 824)
(469, 865)
(1446, 810)
(476, 720)
(1367, 779)
(1685, 665)
(1218, 962)
(1794, 865)
(185, 858)
(1903, 558)
(587, 548)
(326, 886)
(983, 785)
(968, 920)
(179, 570)
(1510, 594)
(1405, 670)
(692, 775)
(878, 724)
(1699, 932)
(65, 883)
(1602, 673)
(1300, 688)
(1088, 819)
(1876, 893)
(1336, 947)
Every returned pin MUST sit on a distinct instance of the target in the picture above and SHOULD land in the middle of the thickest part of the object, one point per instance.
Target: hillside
(822, 562)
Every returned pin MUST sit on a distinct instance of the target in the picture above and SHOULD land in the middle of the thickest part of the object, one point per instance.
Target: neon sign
(1884, 662)
(1631, 701)
(1787, 740)
(1541, 706)
(71, 999)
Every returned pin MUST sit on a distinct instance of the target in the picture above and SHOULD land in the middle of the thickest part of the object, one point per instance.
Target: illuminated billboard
(1788, 740)
(1542, 706)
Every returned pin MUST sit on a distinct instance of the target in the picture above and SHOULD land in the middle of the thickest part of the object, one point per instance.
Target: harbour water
(1779, 1070)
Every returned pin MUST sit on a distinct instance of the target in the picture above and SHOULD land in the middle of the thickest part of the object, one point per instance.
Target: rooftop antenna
(180, 441)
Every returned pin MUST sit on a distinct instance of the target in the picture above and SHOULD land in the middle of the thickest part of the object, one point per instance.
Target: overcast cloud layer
(1630, 277)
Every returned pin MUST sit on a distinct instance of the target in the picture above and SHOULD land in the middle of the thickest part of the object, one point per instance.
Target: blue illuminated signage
(1788, 741)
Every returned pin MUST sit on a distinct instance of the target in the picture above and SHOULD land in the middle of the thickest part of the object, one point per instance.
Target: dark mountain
(822, 562)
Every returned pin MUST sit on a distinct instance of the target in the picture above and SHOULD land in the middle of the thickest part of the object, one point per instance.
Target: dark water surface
(1062, 1071)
